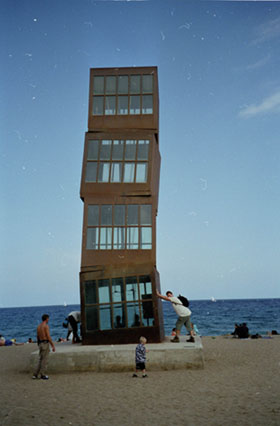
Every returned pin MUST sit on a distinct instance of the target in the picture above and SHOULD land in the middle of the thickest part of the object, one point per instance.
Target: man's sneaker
(134, 375)
(44, 377)
(35, 377)
(190, 340)
(175, 339)
(145, 375)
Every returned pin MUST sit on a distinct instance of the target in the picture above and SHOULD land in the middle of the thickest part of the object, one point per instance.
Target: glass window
(106, 215)
(92, 238)
(146, 214)
(98, 85)
(104, 291)
(134, 107)
(129, 172)
(110, 105)
(145, 286)
(103, 172)
(119, 316)
(122, 105)
(132, 238)
(143, 150)
(105, 150)
(90, 292)
(93, 215)
(111, 85)
(130, 150)
(105, 238)
(147, 312)
(119, 238)
(116, 172)
(119, 215)
(147, 104)
(141, 172)
(133, 316)
(93, 149)
(98, 105)
(132, 214)
(117, 151)
(91, 171)
(123, 84)
(135, 84)
(131, 288)
(147, 83)
(146, 238)
(105, 317)
(91, 318)
(118, 290)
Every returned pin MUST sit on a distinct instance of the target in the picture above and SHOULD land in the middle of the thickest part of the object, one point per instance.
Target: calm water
(211, 318)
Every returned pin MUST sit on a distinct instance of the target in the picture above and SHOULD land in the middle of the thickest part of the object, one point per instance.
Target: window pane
(129, 172)
(134, 107)
(105, 317)
(93, 215)
(117, 152)
(119, 316)
(143, 150)
(122, 105)
(104, 291)
(133, 316)
(131, 288)
(105, 238)
(91, 318)
(91, 171)
(92, 150)
(146, 214)
(116, 172)
(97, 105)
(111, 85)
(132, 238)
(118, 290)
(90, 292)
(98, 85)
(119, 215)
(105, 150)
(106, 215)
(123, 84)
(103, 172)
(145, 238)
(145, 286)
(92, 238)
(130, 150)
(132, 214)
(147, 104)
(147, 312)
(141, 172)
(119, 238)
(147, 83)
(110, 105)
(135, 84)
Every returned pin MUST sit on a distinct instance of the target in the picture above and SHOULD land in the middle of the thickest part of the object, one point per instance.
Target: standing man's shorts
(186, 321)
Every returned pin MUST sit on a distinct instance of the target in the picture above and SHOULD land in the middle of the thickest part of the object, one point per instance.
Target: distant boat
(65, 304)
(213, 299)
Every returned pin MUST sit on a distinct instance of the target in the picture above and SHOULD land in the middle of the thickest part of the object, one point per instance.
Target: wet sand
(239, 385)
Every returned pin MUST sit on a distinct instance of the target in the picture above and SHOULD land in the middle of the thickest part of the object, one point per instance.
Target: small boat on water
(65, 304)
(213, 299)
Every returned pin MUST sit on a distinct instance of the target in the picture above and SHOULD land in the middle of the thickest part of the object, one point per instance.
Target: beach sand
(239, 385)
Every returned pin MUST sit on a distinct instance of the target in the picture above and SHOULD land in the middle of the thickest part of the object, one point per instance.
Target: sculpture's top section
(123, 98)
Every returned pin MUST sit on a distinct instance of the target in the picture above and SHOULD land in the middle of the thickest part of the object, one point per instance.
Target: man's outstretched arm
(161, 296)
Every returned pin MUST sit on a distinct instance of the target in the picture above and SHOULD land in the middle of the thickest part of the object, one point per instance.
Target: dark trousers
(74, 326)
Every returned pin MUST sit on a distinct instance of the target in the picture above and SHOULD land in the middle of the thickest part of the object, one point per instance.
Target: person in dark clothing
(74, 318)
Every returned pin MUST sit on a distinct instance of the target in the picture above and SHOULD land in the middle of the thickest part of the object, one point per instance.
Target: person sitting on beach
(184, 316)
(140, 357)
(243, 331)
(44, 341)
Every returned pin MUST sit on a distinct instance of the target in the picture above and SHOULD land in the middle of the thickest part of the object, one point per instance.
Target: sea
(211, 317)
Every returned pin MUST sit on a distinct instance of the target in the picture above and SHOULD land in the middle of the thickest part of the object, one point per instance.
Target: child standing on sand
(140, 357)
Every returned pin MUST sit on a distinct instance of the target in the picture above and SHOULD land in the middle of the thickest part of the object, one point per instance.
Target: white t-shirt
(76, 315)
(179, 308)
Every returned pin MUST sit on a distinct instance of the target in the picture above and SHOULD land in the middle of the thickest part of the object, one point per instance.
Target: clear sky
(219, 81)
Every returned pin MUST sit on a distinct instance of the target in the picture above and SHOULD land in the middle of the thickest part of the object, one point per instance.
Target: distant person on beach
(184, 316)
(140, 357)
(44, 341)
(8, 342)
(74, 319)
(241, 331)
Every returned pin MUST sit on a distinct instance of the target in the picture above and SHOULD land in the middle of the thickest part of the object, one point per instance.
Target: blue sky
(219, 81)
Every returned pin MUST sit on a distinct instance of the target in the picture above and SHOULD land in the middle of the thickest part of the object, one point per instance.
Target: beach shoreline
(239, 385)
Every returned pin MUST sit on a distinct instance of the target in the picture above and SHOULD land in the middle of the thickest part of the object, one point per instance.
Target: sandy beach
(239, 385)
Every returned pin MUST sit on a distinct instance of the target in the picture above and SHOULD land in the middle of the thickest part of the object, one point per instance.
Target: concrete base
(160, 356)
